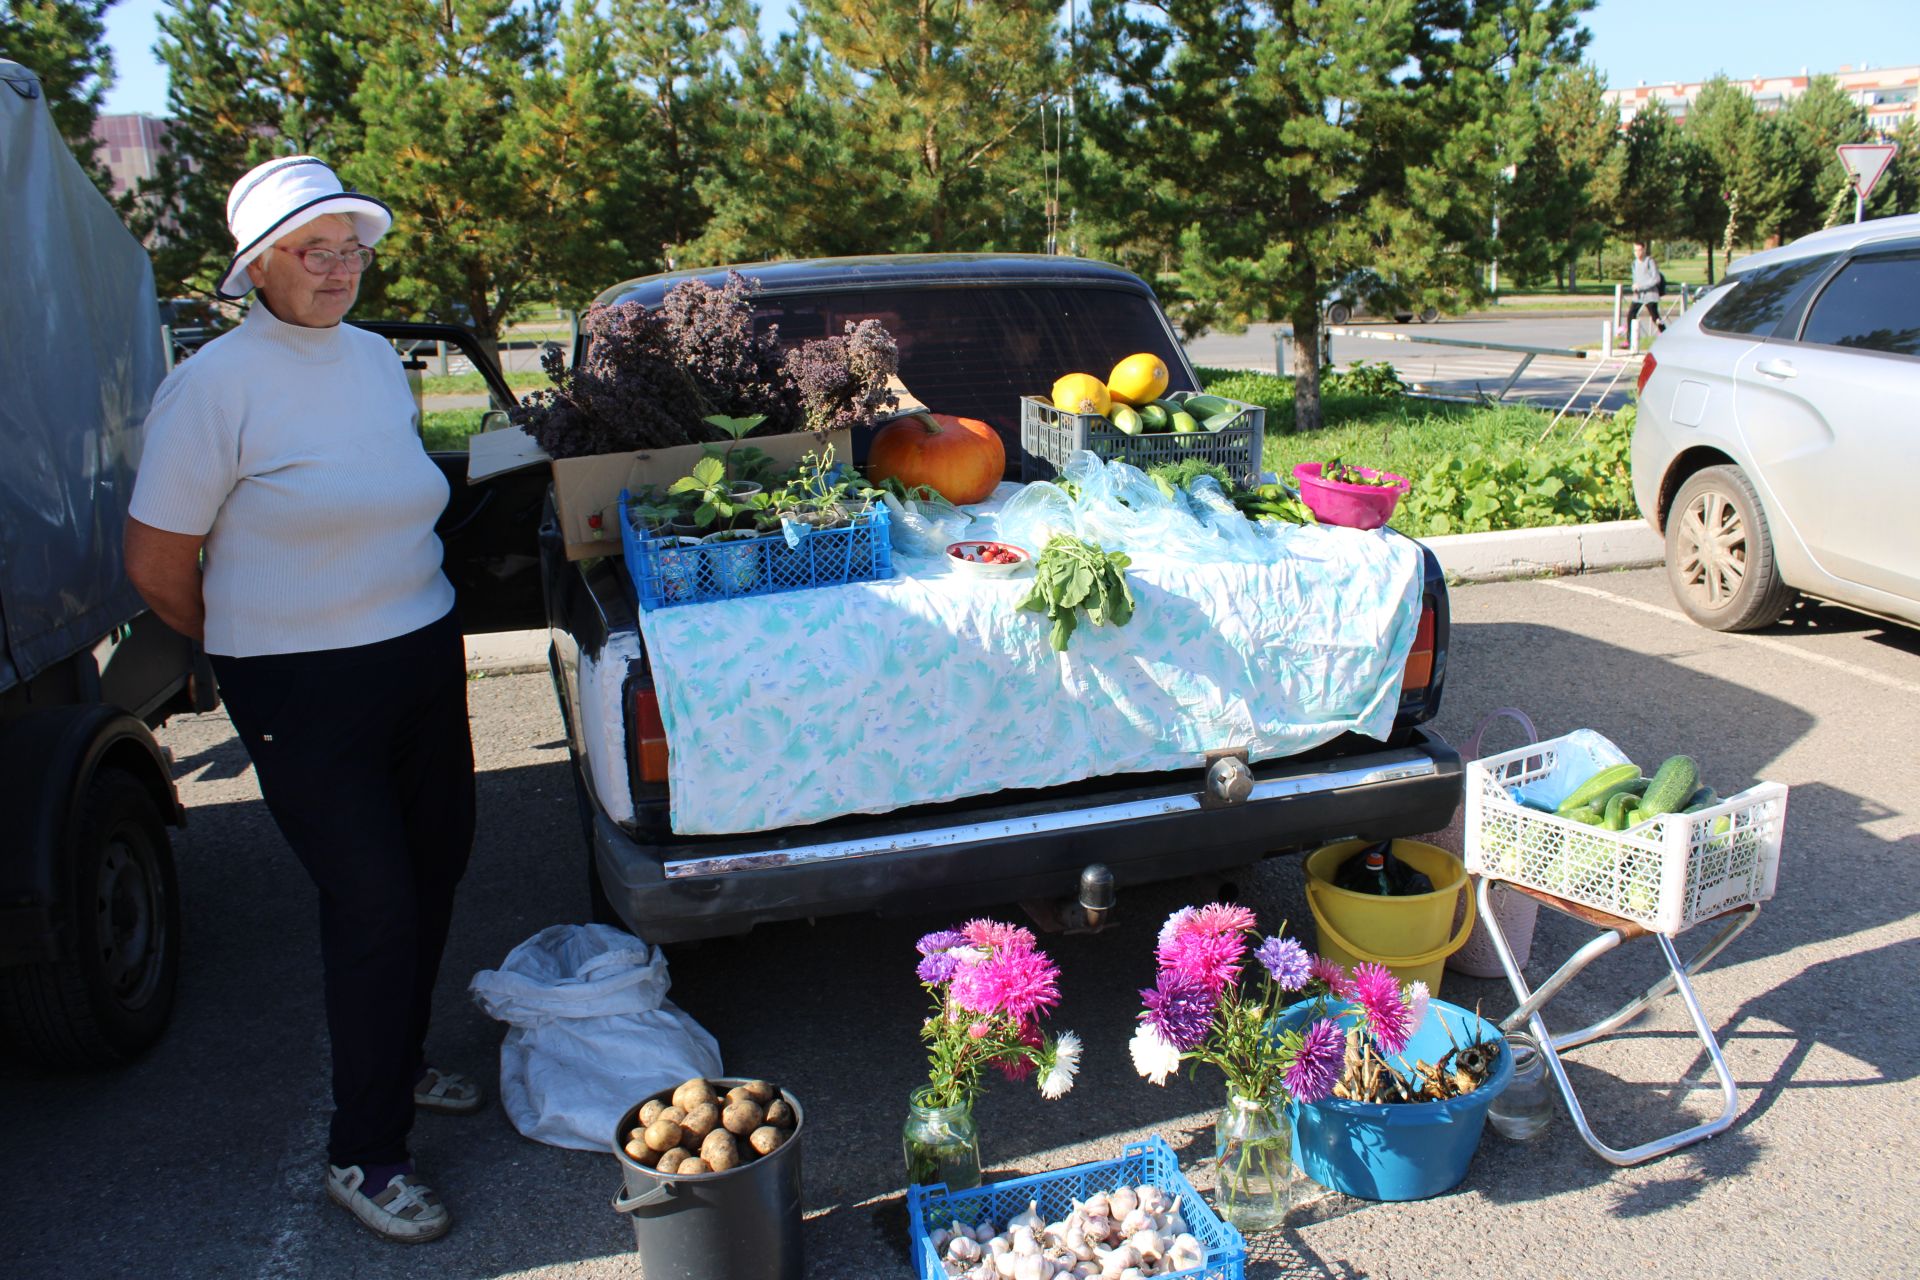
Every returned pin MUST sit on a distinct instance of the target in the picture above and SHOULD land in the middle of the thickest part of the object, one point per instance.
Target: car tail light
(649, 735)
(1646, 371)
(1419, 668)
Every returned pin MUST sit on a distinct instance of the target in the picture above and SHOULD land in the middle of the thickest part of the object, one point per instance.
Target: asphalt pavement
(205, 1158)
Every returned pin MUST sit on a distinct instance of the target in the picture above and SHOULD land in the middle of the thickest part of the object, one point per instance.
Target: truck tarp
(80, 356)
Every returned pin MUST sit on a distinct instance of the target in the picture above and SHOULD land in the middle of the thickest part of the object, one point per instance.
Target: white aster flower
(1417, 997)
(1153, 1057)
(1065, 1065)
(1172, 926)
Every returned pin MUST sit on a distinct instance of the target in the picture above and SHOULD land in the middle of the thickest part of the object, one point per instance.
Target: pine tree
(1898, 190)
(247, 80)
(496, 133)
(1555, 207)
(1283, 144)
(64, 42)
(1819, 121)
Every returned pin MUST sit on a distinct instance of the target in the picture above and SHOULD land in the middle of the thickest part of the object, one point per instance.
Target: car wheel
(1720, 556)
(1429, 315)
(113, 998)
(1339, 313)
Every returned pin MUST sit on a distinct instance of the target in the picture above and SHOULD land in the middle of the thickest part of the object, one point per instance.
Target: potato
(780, 1113)
(761, 1091)
(669, 1161)
(692, 1094)
(675, 1114)
(701, 1120)
(664, 1134)
(649, 1112)
(692, 1164)
(738, 1092)
(742, 1117)
(720, 1151)
(639, 1150)
(766, 1139)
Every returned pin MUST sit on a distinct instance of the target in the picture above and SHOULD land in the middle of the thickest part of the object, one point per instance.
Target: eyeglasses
(321, 262)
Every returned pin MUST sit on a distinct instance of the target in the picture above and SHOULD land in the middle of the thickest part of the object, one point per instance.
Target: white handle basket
(1668, 873)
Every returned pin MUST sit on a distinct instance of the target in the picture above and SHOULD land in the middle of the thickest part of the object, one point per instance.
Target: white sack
(591, 1032)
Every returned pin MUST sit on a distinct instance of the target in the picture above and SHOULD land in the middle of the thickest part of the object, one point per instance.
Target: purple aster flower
(943, 940)
(1318, 1065)
(938, 968)
(1378, 995)
(1180, 1009)
(1287, 961)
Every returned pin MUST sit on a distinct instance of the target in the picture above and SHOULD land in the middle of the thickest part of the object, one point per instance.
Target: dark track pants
(366, 764)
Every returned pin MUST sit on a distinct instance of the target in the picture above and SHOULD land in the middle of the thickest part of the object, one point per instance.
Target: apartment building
(130, 146)
(1888, 94)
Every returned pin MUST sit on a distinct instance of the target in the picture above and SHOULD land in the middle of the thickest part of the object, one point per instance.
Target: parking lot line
(1764, 642)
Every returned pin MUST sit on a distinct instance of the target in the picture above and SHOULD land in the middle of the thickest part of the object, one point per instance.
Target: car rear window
(974, 351)
(1761, 299)
(1872, 303)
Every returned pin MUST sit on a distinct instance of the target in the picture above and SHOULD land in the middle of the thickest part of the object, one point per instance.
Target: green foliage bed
(1473, 468)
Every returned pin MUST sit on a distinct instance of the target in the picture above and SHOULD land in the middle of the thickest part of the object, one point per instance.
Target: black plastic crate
(1049, 435)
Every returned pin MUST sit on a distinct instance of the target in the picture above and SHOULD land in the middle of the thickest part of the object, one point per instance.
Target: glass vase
(1253, 1162)
(942, 1143)
(1524, 1108)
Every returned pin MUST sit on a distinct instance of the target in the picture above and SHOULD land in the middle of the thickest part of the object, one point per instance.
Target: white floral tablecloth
(789, 709)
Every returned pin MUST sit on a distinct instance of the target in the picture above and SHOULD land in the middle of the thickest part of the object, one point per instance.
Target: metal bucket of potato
(740, 1223)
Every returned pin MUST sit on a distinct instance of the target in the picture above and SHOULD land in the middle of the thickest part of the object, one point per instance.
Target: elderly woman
(284, 517)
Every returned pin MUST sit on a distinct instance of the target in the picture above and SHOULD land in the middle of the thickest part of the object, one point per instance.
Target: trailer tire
(111, 999)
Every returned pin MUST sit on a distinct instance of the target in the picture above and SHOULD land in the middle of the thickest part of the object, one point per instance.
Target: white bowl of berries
(988, 559)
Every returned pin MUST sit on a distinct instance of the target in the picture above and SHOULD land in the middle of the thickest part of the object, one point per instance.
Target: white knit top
(293, 450)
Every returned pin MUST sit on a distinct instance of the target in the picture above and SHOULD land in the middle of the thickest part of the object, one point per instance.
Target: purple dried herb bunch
(711, 331)
(843, 381)
(630, 392)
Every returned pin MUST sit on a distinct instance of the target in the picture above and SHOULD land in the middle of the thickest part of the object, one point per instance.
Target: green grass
(454, 384)
(446, 430)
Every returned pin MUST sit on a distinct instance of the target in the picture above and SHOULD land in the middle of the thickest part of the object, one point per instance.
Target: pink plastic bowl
(1356, 506)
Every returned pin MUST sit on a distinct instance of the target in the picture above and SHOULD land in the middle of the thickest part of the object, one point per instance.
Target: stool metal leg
(1532, 1002)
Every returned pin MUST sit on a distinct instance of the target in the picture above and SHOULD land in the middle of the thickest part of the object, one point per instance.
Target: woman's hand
(164, 568)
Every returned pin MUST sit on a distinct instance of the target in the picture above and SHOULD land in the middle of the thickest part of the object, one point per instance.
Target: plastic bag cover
(80, 356)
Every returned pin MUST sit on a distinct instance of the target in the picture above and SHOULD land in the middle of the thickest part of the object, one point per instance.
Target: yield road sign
(1865, 162)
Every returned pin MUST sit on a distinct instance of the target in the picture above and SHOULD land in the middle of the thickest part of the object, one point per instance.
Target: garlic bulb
(1152, 1198)
(1186, 1252)
(1097, 1206)
(1003, 1261)
(1097, 1227)
(1031, 1266)
(1137, 1221)
(1024, 1241)
(964, 1249)
(1030, 1219)
(1172, 1222)
(1122, 1202)
(1150, 1244)
(1114, 1261)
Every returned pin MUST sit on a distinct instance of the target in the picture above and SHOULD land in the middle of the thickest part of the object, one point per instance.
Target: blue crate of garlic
(1137, 1215)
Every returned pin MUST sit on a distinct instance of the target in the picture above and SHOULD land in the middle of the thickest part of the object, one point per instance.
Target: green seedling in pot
(708, 489)
(736, 429)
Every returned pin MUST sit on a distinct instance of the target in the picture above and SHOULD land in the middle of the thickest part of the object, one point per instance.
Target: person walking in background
(285, 451)
(1648, 286)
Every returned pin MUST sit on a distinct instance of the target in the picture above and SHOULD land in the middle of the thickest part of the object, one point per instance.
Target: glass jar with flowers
(990, 985)
(1200, 1010)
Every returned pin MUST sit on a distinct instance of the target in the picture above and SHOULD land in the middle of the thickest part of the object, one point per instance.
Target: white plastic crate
(1668, 873)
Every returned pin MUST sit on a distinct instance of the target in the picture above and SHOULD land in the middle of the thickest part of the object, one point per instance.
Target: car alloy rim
(129, 923)
(1713, 550)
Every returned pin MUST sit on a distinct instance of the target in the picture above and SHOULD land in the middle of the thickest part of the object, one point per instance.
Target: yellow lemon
(1138, 378)
(1081, 393)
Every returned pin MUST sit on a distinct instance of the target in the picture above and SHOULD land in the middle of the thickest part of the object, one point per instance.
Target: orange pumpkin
(961, 459)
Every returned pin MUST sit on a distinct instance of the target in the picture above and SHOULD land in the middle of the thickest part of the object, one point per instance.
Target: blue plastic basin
(1398, 1151)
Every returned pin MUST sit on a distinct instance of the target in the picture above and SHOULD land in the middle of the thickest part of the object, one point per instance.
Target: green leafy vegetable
(1070, 575)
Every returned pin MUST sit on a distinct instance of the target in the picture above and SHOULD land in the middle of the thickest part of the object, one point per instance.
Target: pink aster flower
(1378, 995)
(1223, 917)
(996, 935)
(978, 1031)
(1017, 1067)
(1333, 977)
(1209, 960)
(1018, 982)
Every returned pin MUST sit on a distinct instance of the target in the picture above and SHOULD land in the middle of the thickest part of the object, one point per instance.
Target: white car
(1778, 438)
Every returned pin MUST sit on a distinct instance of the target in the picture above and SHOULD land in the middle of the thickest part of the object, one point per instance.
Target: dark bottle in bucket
(1375, 870)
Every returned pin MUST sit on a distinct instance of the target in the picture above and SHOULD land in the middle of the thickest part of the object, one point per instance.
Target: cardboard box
(591, 485)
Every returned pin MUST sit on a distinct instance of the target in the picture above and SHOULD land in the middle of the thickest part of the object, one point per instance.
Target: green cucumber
(1623, 810)
(1671, 787)
(1602, 784)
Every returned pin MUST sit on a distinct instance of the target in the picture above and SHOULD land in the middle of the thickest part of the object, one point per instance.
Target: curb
(1464, 557)
(1557, 550)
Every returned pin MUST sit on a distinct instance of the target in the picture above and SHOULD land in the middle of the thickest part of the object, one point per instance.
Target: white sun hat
(284, 195)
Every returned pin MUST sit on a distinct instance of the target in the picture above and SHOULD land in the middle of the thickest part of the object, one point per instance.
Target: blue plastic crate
(666, 572)
(1142, 1163)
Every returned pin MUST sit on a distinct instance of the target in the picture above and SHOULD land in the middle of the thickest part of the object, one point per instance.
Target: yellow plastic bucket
(1412, 935)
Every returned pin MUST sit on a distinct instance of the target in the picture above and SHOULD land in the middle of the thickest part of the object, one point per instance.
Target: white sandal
(405, 1210)
(447, 1092)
